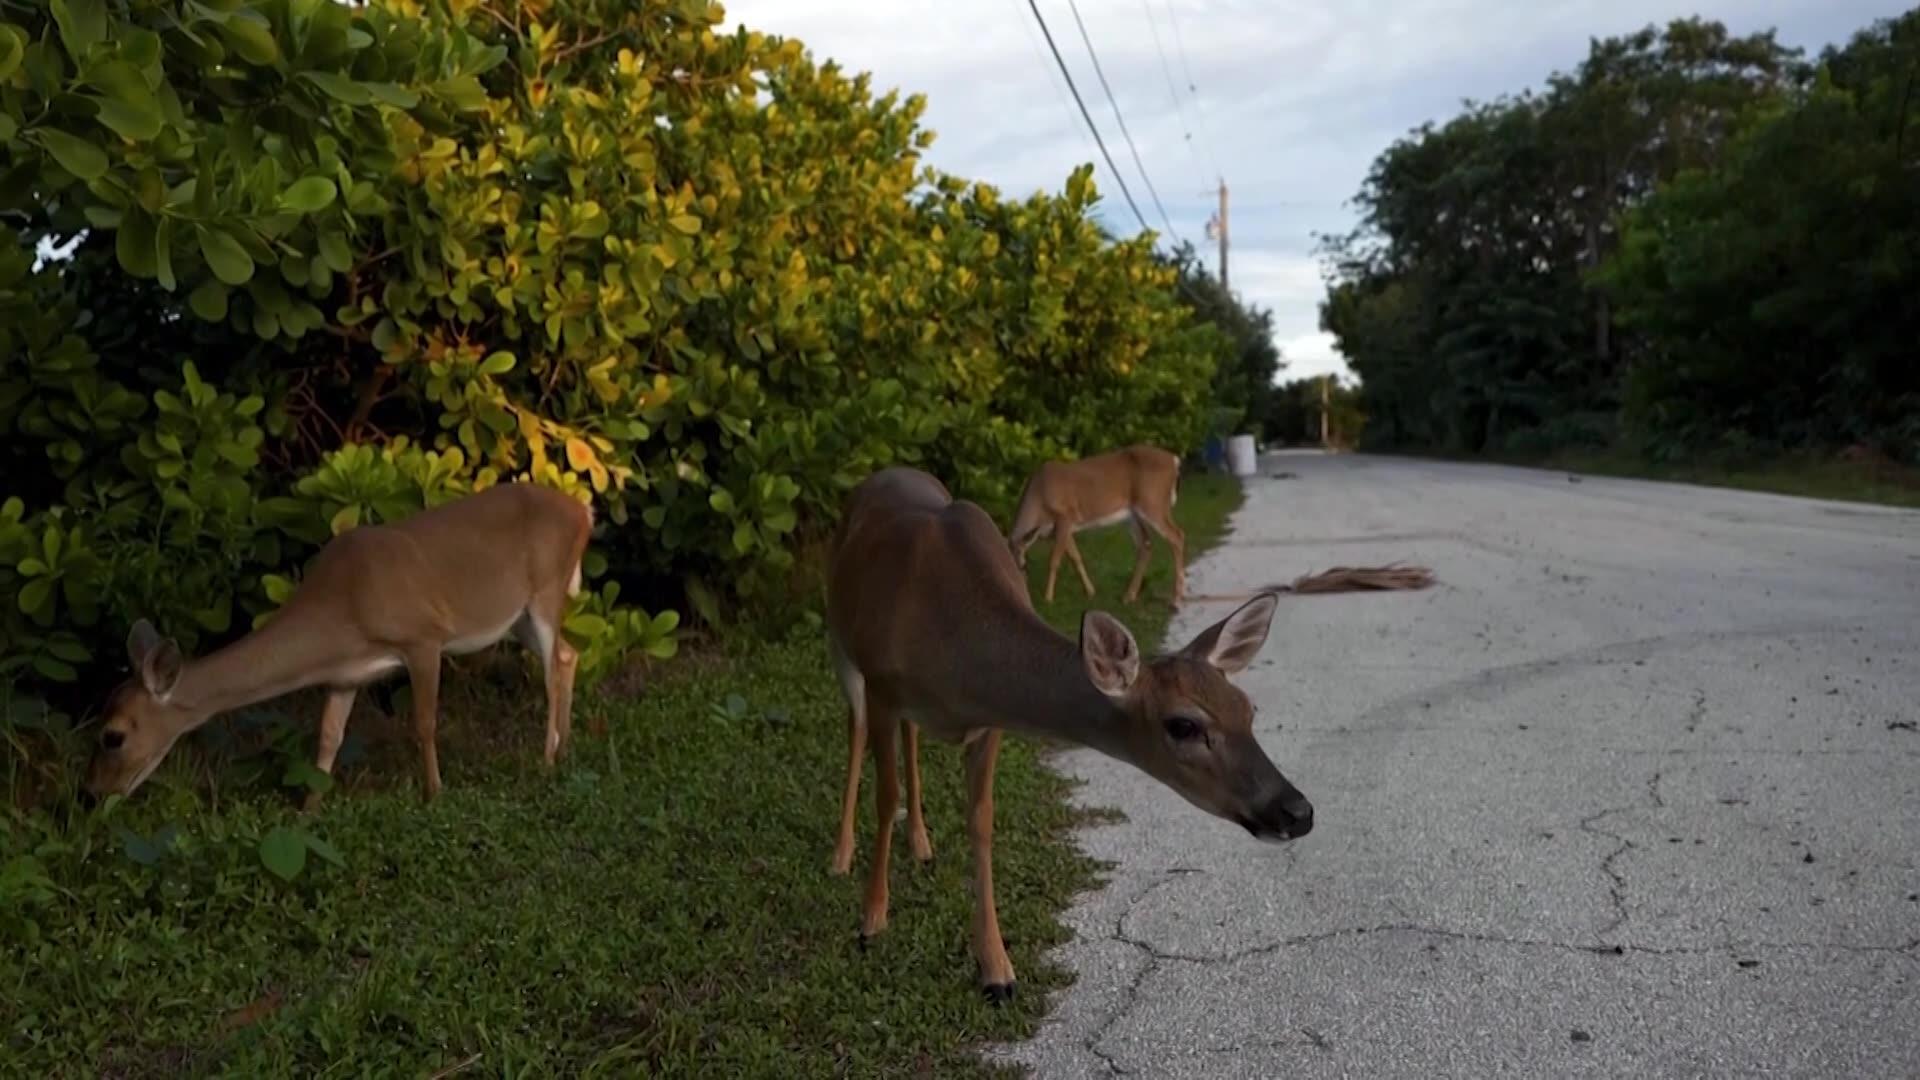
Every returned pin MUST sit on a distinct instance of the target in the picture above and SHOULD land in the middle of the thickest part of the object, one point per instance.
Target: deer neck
(1039, 686)
(273, 660)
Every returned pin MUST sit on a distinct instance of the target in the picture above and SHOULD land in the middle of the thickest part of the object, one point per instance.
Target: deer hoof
(998, 993)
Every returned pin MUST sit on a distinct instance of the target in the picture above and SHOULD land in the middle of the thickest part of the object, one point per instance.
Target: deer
(1137, 484)
(375, 600)
(930, 625)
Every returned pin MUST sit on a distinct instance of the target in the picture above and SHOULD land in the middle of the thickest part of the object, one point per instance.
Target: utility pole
(1217, 229)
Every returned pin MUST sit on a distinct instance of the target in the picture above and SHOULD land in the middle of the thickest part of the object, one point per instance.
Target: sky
(1289, 100)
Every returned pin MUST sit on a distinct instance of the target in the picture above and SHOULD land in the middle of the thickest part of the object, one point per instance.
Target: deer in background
(1138, 485)
(377, 599)
(929, 624)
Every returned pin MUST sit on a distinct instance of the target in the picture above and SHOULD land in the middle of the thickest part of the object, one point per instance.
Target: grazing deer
(1138, 485)
(930, 625)
(378, 598)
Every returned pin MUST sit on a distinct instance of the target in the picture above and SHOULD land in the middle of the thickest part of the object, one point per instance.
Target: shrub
(324, 265)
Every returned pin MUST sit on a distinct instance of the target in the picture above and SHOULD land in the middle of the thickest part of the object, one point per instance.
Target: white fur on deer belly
(1114, 518)
(475, 642)
(366, 671)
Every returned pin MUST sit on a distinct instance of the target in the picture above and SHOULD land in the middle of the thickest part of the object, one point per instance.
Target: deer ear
(156, 659)
(1108, 652)
(1232, 643)
(141, 640)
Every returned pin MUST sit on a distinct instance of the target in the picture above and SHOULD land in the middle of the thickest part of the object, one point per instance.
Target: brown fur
(1137, 483)
(930, 627)
(375, 599)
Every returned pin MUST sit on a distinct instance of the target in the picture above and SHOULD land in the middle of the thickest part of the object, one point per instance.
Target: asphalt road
(1633, 792)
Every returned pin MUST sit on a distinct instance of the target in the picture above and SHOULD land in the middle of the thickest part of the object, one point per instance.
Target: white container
(1240, 456)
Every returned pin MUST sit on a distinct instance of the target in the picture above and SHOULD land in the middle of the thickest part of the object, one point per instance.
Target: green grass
(659, 906)
(1813, 476)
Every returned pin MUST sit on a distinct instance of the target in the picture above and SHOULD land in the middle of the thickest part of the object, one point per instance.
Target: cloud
(1291, 99)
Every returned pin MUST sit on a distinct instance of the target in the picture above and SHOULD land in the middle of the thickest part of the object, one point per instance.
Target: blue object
(1215, 453)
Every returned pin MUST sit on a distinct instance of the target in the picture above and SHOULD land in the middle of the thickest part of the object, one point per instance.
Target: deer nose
(1301, 811)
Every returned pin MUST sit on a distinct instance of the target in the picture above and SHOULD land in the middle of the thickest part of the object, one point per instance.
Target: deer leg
(917, 841)
(1142, 553)
(989, 950)
(539, 630)
(423, 672)
(886, 796)
(1073, 552)
(855, 686)
(333, 728)
(1054, 557)
(566, 663)
(1177, 540)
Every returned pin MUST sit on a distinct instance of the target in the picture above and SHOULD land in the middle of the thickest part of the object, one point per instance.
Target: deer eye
(1182, 728)
(112, 739)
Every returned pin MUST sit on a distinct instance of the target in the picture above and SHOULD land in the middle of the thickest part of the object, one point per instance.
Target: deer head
(142, 719)
(1186, 726)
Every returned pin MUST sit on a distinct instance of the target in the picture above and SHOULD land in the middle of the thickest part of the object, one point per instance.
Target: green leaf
(8, 128)
(283, 851)
(36, 597)
(339, 87)
(127, 121)
(13, 48)
(133, 244)
(69, 649)
(78, 156)
(498, 363)
(463, 92)
(308, 194)
(686, 223)
(54, 670)
(228, 260)
(302, 773)
(326, 851)
(163, 254)
(129, 107)
(209, 301)
(587, 625)
(346, 518)
(334, 249)
(397, 96)
(721, 501)
(83, 24)
(252, 40)
(705, 603)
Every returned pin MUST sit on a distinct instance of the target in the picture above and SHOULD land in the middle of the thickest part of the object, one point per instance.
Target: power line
(1180, 109)
(1085, 115)
(1053, 79)
(1124, 134)
(1180, 44)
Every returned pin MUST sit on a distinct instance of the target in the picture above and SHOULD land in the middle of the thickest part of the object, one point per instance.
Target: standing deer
(378, 598)
(929, 624)
(1138, 485)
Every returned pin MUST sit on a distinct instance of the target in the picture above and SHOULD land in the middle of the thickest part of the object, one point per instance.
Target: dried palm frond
(1390, 578)
(1363, 579)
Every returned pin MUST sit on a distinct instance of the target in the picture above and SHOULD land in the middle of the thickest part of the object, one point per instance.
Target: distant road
(1634, 792)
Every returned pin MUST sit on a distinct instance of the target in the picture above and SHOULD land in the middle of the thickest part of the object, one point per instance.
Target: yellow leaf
(580, 455)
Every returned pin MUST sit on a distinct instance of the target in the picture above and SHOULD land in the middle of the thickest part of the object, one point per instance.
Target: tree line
(1694, 242)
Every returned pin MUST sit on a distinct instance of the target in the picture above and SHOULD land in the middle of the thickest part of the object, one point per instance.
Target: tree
(1250, 361)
